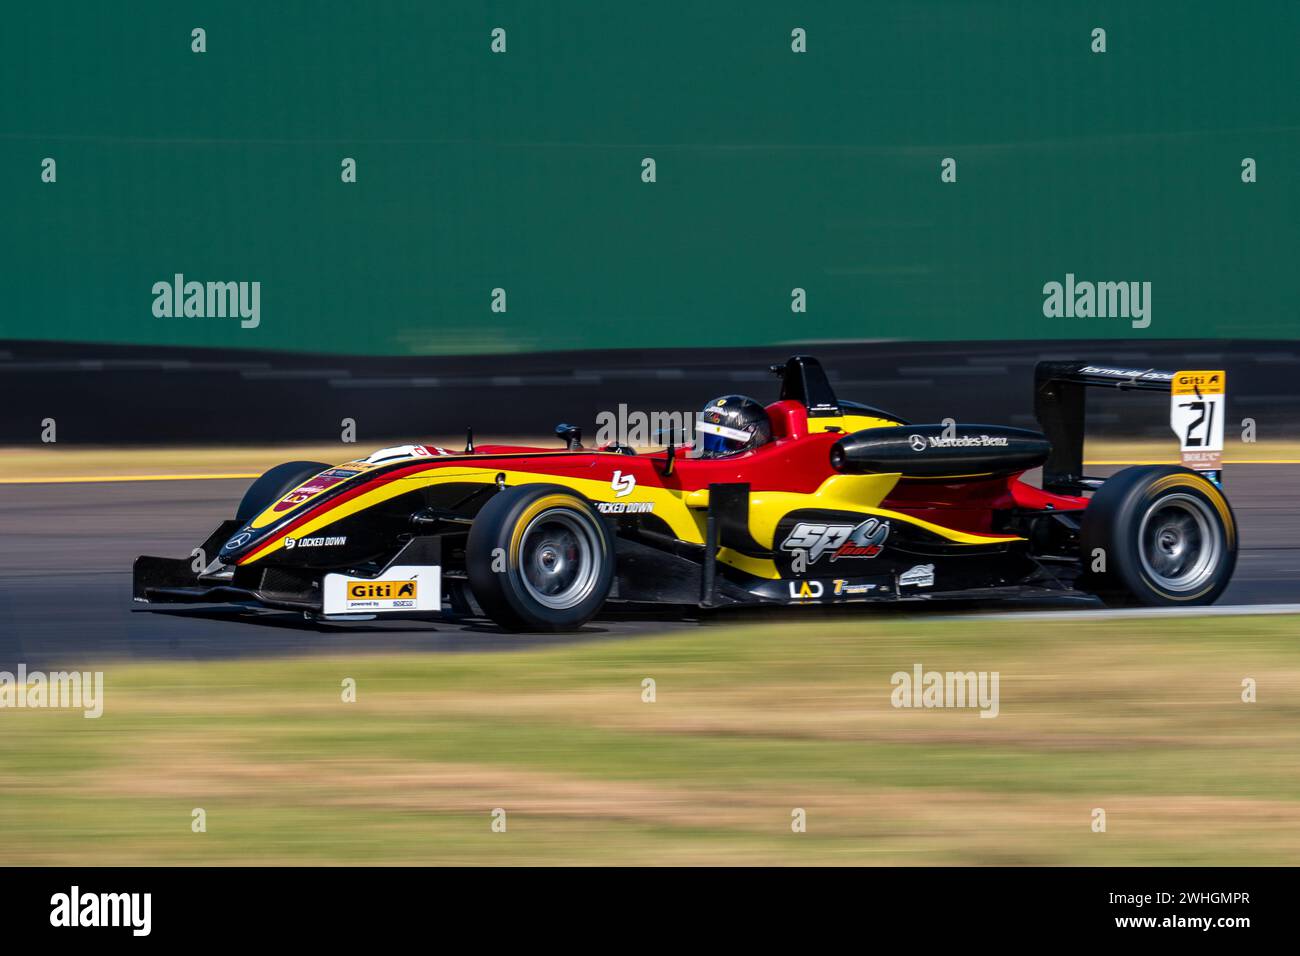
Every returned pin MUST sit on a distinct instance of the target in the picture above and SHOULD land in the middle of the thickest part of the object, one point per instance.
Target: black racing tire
(274, 485)
(462, 599)
(1167, 535)
(540, 558)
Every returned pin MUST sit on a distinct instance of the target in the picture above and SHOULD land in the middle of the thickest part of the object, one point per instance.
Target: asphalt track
(65, 579)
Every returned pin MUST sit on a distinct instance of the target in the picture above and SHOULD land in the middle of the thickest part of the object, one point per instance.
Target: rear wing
(1196, 414)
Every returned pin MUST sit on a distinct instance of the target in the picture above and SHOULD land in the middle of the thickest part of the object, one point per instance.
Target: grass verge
(1141, 719)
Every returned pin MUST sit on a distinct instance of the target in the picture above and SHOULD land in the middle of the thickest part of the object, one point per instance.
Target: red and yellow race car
(814, 500)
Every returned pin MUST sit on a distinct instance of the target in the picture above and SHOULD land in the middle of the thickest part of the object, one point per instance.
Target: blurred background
(522, 171)
(517, 179)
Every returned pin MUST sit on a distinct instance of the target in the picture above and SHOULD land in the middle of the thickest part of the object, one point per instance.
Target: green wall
(522, 170)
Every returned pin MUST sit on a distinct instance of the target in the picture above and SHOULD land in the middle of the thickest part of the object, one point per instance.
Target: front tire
(539, 558)
(1164, 535)
(274, 485)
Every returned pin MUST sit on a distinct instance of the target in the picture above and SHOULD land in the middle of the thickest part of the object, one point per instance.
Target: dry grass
(750, 723)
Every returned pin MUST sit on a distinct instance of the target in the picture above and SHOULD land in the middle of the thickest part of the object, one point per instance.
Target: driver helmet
(732, 424)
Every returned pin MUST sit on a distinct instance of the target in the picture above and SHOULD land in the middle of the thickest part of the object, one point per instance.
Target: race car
(807, 500)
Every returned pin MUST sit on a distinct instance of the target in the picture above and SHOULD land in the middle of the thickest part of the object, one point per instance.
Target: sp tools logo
(866, 540)
(381, 590)
(622, 484)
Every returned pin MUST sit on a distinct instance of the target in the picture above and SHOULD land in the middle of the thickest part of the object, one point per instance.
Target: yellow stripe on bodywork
(856, 493)
(667, 502)
(270, 516)
(681, 511)
(849, 423)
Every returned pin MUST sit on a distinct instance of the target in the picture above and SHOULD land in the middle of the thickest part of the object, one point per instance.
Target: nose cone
(238, 545)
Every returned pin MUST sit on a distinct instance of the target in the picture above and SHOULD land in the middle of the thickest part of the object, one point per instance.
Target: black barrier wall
(120, 395)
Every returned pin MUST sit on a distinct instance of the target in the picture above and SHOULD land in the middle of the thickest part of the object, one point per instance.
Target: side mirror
(571, 435)
(670, 454)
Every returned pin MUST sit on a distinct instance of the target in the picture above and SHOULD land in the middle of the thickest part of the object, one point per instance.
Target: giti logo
(622, 484)
(1197, 383)
(381, 590)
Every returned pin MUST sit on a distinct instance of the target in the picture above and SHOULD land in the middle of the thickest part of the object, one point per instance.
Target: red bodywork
(795, 461)
(799, 462)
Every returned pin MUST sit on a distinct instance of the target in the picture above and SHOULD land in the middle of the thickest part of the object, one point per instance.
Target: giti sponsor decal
(1197, 383)
(381, 590)
(865, 540)
(402, 588)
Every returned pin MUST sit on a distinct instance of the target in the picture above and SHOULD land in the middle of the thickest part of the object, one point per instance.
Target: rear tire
(1167, 536)
(274, 485)
(539, 558)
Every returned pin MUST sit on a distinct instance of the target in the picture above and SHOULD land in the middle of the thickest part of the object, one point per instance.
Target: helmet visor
(719, 440)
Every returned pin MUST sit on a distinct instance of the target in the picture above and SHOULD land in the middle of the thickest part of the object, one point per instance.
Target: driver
(732, 424)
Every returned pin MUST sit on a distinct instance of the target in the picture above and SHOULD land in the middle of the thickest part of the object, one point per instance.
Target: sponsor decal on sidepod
(921, 576)
(865, 540)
